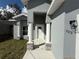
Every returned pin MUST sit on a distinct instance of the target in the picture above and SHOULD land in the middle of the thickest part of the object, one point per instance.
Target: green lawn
(12, 49)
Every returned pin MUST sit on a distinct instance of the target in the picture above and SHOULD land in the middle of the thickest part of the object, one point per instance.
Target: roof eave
(19, 15)
(55, 4)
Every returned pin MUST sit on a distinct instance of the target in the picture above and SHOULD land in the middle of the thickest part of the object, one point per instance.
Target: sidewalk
(38, 53)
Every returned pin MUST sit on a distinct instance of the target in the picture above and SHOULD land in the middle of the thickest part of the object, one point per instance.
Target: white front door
(39, 29)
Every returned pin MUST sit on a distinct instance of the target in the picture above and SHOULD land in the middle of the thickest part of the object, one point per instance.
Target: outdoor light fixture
(73, 24)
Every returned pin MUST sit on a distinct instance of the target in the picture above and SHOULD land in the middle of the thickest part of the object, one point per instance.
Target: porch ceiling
(55, 4)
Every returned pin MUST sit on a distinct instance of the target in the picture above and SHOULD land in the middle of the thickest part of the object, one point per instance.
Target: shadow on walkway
(37, 46)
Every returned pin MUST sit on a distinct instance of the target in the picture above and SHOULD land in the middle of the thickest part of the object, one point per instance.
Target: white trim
(20, 15)
(55, 4)
(11, 20)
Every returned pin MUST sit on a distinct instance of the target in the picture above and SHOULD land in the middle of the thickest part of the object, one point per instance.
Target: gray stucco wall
(71, 9)
(70, 36)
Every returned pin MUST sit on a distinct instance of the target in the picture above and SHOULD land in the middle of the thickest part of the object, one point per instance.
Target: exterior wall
(71, 10)
(70, 36)
(57, 36)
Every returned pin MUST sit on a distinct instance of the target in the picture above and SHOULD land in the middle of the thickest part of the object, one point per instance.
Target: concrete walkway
(38, 53)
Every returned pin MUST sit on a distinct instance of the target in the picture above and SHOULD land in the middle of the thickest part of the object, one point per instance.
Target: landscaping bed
(12, 49)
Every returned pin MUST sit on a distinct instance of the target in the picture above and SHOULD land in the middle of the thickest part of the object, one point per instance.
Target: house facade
(37, 27)
(61, 26)
(53, 22)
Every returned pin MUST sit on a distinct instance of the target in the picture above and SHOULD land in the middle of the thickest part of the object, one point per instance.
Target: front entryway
(39, 34)
(39, 28)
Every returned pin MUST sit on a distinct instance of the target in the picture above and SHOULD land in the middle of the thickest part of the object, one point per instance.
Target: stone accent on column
(48, 43)
(16, 30)
(30, 35)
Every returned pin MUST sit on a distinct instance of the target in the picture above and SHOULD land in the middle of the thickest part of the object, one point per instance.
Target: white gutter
(55, 4)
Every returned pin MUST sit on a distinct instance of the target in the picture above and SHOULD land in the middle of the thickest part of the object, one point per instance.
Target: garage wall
(71, 8)
(57, 36)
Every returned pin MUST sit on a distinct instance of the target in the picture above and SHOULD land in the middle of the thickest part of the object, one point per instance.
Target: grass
(12, 49)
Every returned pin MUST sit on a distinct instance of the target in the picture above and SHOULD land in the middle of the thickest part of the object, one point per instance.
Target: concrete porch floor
(38, 53)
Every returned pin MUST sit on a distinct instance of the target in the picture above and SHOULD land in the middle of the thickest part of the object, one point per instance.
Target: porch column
(30, 35)
(17, 30)
(48, 43)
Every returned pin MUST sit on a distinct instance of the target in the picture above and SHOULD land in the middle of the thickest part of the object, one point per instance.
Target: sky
(3, 3)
